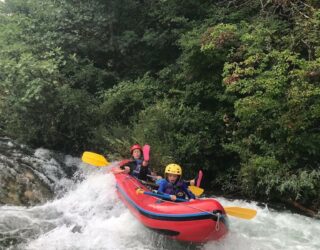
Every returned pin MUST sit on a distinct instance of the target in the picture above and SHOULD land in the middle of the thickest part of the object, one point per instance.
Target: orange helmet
(135, 146)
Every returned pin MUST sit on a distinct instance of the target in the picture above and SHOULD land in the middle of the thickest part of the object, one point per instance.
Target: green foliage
(38, 109)
(276, 115)
(126, 99)
(230, 86)
(177, 133)
(261, 175)
(196, 66)
(119, 109)
(303, 185)
(222, 36)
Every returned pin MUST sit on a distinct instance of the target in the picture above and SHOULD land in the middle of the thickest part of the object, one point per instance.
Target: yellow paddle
(197, 191)
(240, 212)
(94, 159)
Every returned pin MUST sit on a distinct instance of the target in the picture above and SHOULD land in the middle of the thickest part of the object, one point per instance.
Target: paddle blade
(196, 190)
(146, 152)
(94, 159)
(243, 213)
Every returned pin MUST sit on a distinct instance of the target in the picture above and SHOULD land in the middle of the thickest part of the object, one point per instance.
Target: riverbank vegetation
(232, 87)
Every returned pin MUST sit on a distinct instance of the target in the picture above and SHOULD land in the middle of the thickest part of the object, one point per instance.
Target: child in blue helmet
(173, 185)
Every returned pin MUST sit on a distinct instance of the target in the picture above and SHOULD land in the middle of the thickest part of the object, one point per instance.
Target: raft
(197, 221)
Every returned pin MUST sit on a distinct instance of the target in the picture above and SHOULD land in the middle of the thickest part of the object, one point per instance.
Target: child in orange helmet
(136, 165)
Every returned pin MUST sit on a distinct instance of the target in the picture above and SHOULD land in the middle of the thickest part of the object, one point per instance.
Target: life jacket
(134, 164)
(175, 189)
(136, 170)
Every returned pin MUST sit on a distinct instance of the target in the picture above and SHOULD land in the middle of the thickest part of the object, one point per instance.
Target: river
(87, 214)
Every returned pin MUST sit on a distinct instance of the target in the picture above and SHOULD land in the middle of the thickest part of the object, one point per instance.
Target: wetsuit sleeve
(124, 163)
(188, 192)
(131, 165)
(162, 186)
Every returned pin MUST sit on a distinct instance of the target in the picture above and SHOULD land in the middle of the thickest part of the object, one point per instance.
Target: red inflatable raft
(200, 220)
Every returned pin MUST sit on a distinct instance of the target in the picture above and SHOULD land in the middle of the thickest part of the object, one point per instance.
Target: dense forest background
(232, 87)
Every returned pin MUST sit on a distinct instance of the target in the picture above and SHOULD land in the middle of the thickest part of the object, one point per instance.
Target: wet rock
(77, 229)
(27, 176)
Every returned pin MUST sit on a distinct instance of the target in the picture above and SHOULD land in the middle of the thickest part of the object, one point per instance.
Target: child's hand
(158, 177)
(145, 163)
(191, 200)
(117, 171)
(173, 197)
(126, 170)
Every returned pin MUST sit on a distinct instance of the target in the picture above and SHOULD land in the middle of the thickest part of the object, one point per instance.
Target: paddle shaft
(163, 196)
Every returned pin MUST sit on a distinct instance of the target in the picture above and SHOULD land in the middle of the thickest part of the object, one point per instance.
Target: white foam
(89, 215)
(269, 230)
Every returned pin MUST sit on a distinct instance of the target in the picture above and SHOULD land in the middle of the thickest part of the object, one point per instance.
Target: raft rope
(199, 209)
(218, 222)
